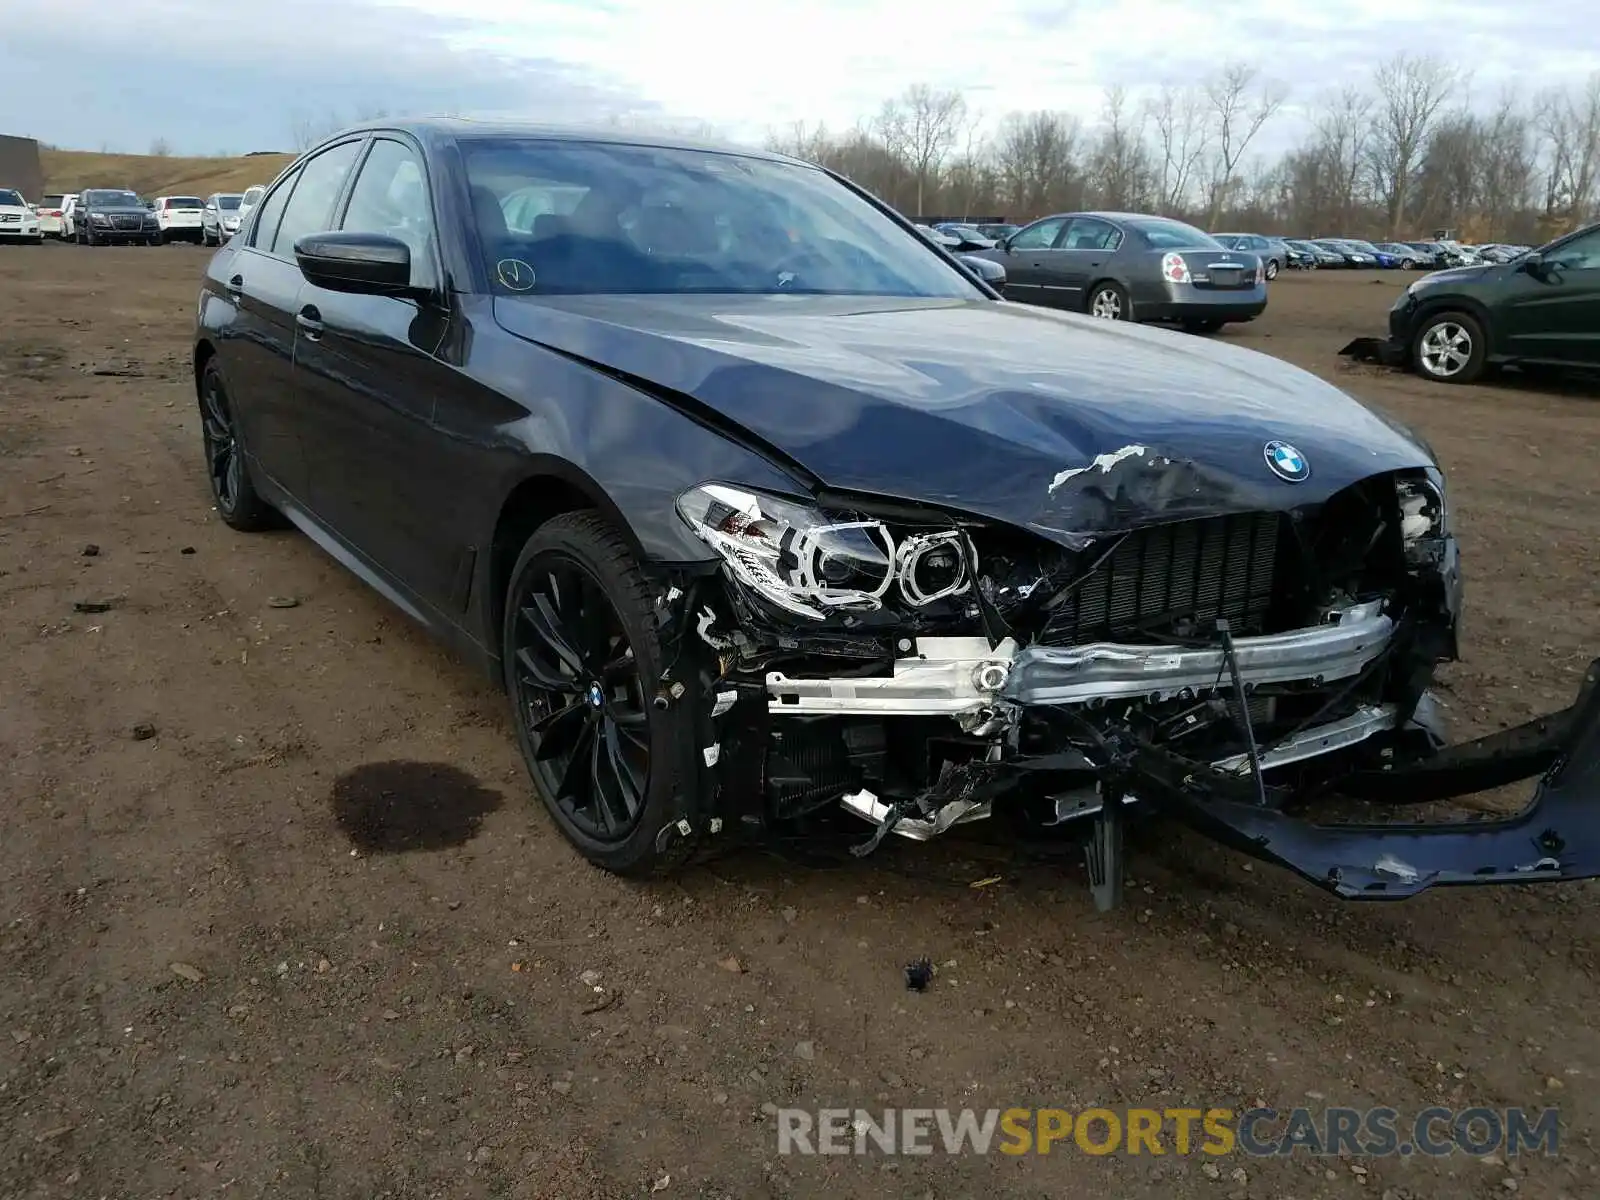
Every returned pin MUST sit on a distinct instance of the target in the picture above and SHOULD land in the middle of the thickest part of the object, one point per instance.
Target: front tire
(1109, 301)
(1450, 347)
(238, 503)
(583, 658)
(1408, 264)
(1272, 268)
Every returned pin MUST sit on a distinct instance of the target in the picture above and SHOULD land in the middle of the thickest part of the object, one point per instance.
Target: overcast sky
(209, 76)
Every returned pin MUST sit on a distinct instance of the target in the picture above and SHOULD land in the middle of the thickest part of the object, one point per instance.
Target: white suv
(251, 198)
(219, 219)
(51, 209)
(18, 221)
(179, 217)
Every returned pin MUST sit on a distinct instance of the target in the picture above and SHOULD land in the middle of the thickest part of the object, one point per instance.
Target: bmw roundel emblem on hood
(1286, 462)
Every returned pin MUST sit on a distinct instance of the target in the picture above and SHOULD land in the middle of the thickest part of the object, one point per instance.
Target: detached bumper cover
(1555, 838)
(1386, 351)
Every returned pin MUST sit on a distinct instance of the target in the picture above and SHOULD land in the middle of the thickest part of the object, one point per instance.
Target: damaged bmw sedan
(761, 508)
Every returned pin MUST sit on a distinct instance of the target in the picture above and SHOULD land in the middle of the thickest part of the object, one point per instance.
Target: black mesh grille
(1220, 567)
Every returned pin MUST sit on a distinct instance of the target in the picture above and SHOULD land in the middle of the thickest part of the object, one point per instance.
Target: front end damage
(1245, 672)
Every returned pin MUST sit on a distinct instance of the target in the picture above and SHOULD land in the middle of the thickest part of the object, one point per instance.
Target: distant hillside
(153, 175)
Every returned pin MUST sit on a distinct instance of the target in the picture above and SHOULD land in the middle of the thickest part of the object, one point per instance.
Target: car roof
(439, 130)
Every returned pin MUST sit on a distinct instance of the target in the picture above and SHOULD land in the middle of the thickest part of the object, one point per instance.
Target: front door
(1554, 314)
(367, 372)
(257, 352)
(1027, 261)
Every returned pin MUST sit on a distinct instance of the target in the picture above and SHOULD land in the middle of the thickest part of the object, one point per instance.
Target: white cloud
(743, 66)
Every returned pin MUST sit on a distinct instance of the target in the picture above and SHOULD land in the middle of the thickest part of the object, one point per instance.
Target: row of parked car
(106, 216)
(1310, 253)
(1278, 253)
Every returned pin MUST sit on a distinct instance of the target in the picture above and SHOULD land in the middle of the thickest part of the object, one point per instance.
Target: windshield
(107, 198)
(571, 217)
(1366, 247)
(7, 196)
(228, 202)
(1175, 235)
(183, 202)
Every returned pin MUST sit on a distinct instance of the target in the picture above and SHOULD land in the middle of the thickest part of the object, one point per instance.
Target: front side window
(310, 207)
(1041, 235)
(390, 197)
(573, 217)
(266, 226)
(1580, 254)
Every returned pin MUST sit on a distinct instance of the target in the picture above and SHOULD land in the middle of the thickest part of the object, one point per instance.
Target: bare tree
(1568, 124)
(1120, 165)
(1343, 124)
(160, 147)
(305, 130)
(1179, 114)
(1240, 105)
(1506, 166)
(1410, 94)
(1036, 162)
(921, 128)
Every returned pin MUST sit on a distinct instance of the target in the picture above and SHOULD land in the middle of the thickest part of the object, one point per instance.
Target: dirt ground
(241, 955)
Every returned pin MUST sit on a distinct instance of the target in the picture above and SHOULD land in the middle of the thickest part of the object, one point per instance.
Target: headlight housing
(815, 564)
(1424, 509)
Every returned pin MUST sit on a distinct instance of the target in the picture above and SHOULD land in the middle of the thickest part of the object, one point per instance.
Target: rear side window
(267, 220)
(1091, 233)
(310, 207)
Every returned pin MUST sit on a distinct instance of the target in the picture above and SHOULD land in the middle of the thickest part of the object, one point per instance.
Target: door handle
(310, 320)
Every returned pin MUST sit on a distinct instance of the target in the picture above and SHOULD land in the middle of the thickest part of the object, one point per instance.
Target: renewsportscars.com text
(1365, 1133)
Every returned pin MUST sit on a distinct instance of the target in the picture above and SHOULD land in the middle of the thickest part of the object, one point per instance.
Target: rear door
(265, 285)
(1027, 260)
(367, 380)
(1085, 253)
(1555, 315)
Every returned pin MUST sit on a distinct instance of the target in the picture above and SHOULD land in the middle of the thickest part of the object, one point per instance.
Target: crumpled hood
(1051, 421)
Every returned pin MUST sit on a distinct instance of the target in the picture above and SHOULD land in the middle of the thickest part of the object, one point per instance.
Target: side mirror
(368, 264)
(1533, 264)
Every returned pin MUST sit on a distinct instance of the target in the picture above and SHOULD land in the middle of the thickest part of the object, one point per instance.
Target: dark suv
(113, 215)
(1541, 309)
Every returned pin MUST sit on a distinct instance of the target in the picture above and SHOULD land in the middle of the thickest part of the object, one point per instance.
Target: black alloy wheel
(582, 659)
(581, 692)
(237, 501)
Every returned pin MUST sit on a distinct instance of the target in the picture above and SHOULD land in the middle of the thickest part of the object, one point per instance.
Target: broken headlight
(1423, 512)
(813, 563)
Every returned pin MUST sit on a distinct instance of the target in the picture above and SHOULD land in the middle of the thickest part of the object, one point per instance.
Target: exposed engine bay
(925, 671)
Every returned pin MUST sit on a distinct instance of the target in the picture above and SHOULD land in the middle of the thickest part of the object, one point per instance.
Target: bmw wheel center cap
(597, 698)
(1286, 462)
